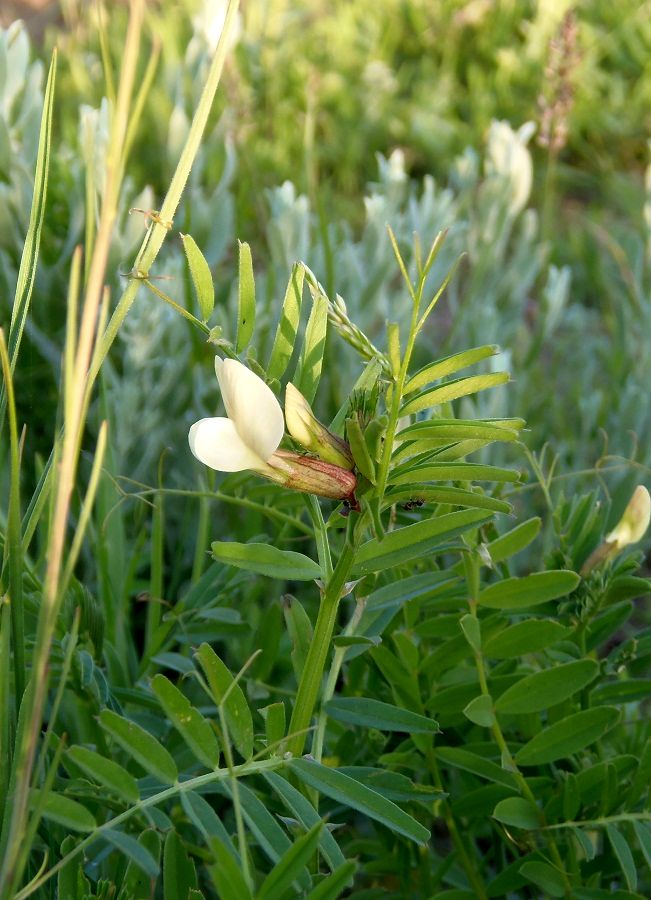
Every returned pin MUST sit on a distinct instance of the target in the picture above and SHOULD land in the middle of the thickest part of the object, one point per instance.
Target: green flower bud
(307, 431)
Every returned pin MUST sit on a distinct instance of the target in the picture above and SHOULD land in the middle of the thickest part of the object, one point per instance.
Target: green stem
(320, 536)
(312, 675)
(157, 232)
(469, 868)
(331, 682)
(472, 576)
(192, 784)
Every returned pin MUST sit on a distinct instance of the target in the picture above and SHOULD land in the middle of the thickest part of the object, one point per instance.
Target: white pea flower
(249, 435)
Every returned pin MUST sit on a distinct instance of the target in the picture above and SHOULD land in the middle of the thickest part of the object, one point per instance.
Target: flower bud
(635, 521)
(313, 476)
(629, 530)
(307, 431)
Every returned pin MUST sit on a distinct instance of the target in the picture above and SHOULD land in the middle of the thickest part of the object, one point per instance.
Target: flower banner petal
(216, 443)
(252, 406)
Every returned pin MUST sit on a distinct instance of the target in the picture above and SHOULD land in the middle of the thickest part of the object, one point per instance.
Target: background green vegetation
(332, 121)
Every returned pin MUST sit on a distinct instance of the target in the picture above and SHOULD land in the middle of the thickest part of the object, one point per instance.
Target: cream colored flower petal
(251, 405)
(216, 443)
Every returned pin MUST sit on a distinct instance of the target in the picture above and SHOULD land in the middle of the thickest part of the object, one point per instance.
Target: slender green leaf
(471, 762)
(624, 856)
(134, 850)
(643, 835)
(69, 813)
(525, 637)
(266, 560)
(452, 496)
(305, 813)
(141, 745)
(452, 390)
(137, 883)
(290, 865)
(515, 540)
(245, 298)
(545, 877)
(480, 711)
(106, 772)
(206, 820)
(517, 812)
(71, 881)
(201, 276)
(625, 691)
(548, 687)
(435, 471)
(342, 789)
(531, 590)
(368, 713)
(275, 723)
(444, 431)
(568, 736)
(224, 689)
(472, 631)
(359, 449)
(226, 873)
(393, 348)
(283, 345)
(332, 886)
(299, 629)
(179, 875)
(188, 721)
(448, 366)
(308, 371)
(32, 245)
(413, 541)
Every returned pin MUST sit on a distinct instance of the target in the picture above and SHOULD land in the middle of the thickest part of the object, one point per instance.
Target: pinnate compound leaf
(346, 790)
(568, 736)
(236, 709)
(201, 276)
(141, 745)
(265, 559)
(531, 590)
(406, 544)
(548, 687)
(370, 713)
(545, 877)
(517, 812)
(135, 851)
(188, 721)
(106, 772)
